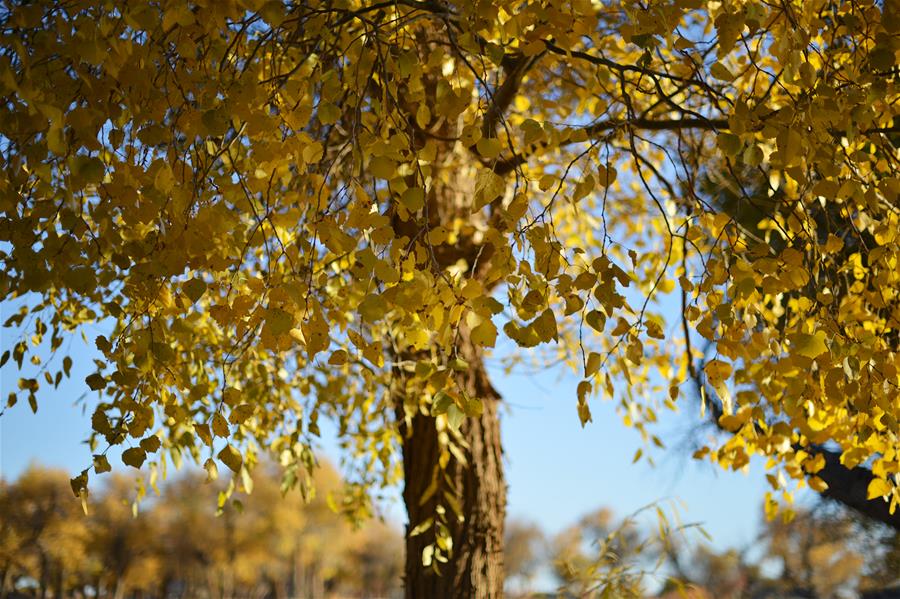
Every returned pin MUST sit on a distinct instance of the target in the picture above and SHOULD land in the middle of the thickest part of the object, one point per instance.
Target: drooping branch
(847, 486)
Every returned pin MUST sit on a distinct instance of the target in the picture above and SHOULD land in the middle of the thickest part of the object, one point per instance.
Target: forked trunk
(475, 567)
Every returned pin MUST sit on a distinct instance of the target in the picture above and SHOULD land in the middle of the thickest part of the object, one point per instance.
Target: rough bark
(475, 568)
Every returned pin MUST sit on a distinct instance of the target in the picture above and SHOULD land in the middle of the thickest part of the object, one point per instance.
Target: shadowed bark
(475, 568)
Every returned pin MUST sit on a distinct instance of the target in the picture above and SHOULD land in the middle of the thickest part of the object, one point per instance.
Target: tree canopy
(295, 210)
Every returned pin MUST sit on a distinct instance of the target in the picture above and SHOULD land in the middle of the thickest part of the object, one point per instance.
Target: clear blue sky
(556, 470)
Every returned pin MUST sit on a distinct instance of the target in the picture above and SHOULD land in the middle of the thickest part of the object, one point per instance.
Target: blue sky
(556, 469)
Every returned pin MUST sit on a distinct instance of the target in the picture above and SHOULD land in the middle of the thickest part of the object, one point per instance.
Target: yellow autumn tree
(297, 210)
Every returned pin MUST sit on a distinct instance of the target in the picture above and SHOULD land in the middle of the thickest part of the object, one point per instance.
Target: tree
(176, 545)
(292, 210)
(122, 544)
(42, 537)
(523, 553)
(826, 551)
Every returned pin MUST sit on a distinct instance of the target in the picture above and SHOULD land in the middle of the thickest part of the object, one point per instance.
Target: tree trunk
(42, 583)
(475, 567)
(4, 582)
(58, 591)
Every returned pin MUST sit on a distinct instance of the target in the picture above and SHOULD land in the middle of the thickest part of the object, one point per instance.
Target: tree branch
(502, 167)
(516, 67)
(849, 486)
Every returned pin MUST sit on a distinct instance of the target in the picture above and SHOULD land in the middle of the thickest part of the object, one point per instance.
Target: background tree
(177, 546)
(123, 542)
(523, 555)
(290, 210)
(825, 551)
(43, 535)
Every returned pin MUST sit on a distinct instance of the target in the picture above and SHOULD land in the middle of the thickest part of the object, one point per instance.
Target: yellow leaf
(596, 320)
(473, 407)
(810, 346)
(413, 198)
(194, 289)
(383, 168)
(717, 370)
(606, 175)
(593, 364)
(488, 147)
(721, 72)
(729, 143)
(219, 425)
(817, 484)
(545, 326)
(101, 464)
(485, 334)
(279, 321)
(231, 457)
(583, 188)
(423, 115)
(212, 471)
(240, 413)
(134, 457)
(338, 357)
(878, 487)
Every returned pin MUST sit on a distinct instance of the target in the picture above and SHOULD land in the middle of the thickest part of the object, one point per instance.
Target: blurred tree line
(275, 547)
(279, 547)
(824, 552)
